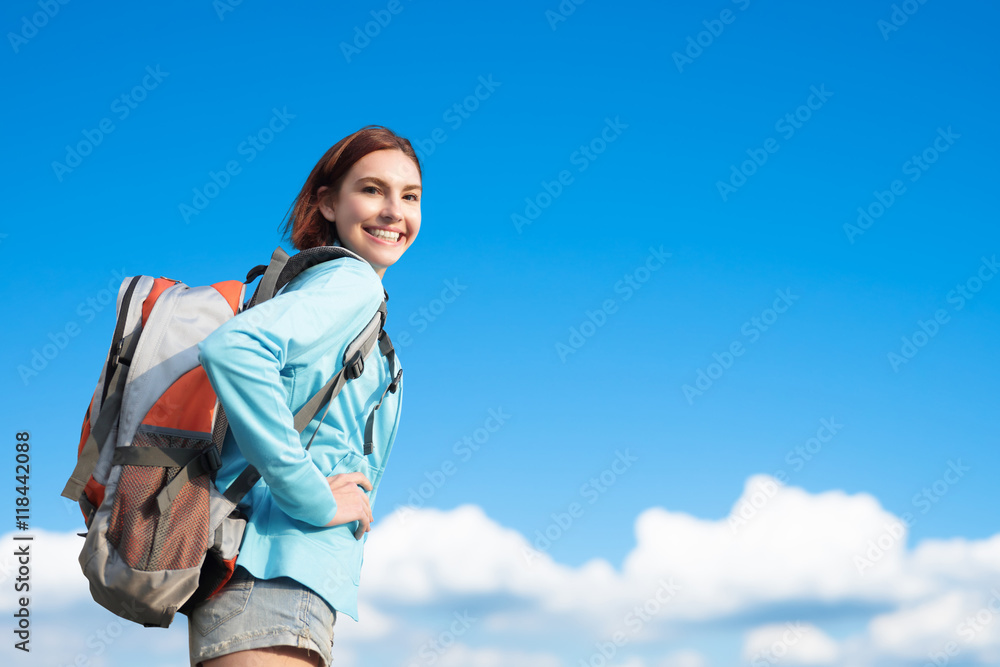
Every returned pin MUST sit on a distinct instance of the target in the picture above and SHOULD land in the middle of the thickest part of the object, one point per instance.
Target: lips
(385, 235)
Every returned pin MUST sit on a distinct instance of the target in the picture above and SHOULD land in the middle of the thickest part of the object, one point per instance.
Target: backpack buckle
(211, 461)
(355, 366)
(117, 353)
(123, 354)
(395, 382)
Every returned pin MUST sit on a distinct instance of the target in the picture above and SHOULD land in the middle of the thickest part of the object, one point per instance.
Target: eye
(414, 195)
(370, 187)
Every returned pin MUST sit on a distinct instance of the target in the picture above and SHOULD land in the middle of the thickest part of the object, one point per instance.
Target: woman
(300, 562)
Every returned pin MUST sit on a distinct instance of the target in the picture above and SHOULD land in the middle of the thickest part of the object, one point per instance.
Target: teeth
(382, 234)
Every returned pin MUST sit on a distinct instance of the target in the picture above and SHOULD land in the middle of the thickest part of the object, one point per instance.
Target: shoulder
(339, 274)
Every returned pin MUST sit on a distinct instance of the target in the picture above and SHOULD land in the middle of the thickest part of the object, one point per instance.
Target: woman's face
(377, 209)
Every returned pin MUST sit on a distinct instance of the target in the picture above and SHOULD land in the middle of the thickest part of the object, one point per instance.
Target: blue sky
(662, 180)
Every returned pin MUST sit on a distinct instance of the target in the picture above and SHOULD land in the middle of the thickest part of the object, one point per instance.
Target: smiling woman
(367, 182)
(300, 560)
(377, 218)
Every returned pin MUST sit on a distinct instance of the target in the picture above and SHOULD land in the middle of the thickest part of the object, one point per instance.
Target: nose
(392, 211)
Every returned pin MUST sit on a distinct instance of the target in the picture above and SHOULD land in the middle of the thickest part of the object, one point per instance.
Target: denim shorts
(254, 613)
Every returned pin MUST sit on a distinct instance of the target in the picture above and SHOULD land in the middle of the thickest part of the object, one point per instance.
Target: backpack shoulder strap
(282, 268)
(120, 356)
(353, 366)
(278, 273)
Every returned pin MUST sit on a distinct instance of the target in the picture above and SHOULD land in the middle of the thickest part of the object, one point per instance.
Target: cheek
(352, 214)
(341, 225)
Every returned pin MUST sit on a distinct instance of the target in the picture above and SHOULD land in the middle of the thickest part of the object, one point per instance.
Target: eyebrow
(376, 179)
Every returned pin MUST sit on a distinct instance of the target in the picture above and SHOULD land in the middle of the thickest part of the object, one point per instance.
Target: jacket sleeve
(244, 359)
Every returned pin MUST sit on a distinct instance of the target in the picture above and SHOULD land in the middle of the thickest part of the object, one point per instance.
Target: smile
(383, 235)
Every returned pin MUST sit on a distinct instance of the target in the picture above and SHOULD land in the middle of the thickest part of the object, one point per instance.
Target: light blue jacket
(264, 364)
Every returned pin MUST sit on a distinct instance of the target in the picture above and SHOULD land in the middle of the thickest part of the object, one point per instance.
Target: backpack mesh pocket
(145, 540)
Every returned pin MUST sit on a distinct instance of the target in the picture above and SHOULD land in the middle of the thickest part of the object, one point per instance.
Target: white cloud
(790, 643)
(683, 658)
(957, 622)
(376, 624)
(958, 562)
(779, 546)
(85, 634)
(461, 655)
(632, 661)
(55, 578)
(913, 631)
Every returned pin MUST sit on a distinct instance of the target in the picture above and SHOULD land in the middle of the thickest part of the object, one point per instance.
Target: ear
(326, 206)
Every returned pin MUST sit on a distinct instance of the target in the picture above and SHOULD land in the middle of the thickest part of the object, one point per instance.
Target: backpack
(161, 538)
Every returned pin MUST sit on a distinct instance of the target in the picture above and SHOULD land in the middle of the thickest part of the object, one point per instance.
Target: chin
(383, 258)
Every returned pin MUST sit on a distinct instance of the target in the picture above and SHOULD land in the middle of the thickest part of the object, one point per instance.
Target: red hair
(305, 225)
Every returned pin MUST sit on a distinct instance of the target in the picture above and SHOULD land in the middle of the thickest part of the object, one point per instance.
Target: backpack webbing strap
(266, 288)
(309, 258)
(118, 335)
(246, 479)
(106, 420)
(282, 268)
(322, 397)
(385, 347)
(162, 457)
(91, 451)
(353, 367)
(242, 485)
(192, 463)
(114, 381)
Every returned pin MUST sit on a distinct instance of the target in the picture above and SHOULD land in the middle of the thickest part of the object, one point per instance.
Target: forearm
(245, 373)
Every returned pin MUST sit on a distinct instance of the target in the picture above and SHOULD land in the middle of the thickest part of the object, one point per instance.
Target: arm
(244, 358)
